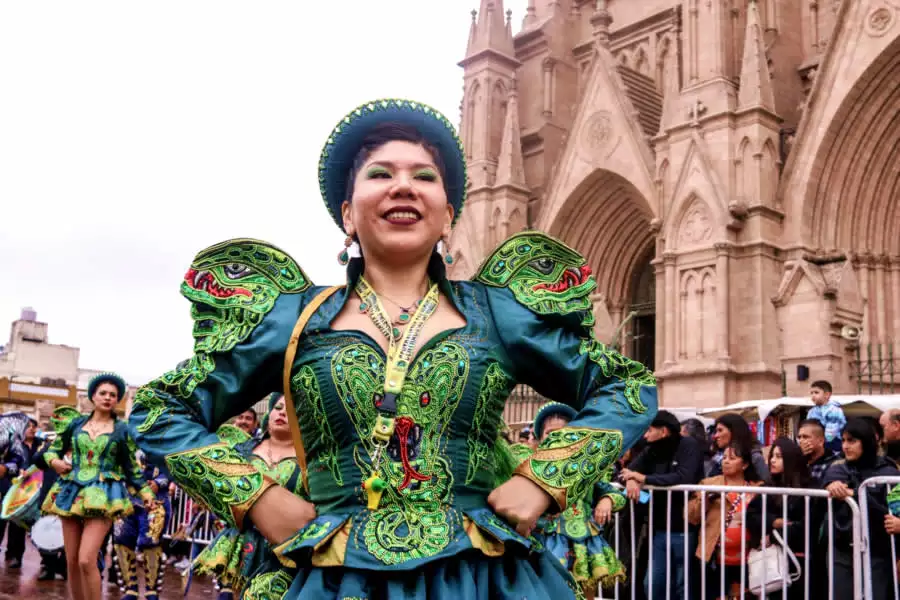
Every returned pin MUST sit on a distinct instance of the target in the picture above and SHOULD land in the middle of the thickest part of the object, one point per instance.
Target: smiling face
(105, 397)
(398, 209)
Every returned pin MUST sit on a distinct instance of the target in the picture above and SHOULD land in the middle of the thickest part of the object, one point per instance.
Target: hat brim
(345, 141)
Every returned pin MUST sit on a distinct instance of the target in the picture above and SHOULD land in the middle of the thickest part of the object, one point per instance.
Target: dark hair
(740, 430)
(380, 135)
(876, 426)
(745, 453)
(822, 385)
(812, 423)
(697, 430)
(858, 428)
(796, 469)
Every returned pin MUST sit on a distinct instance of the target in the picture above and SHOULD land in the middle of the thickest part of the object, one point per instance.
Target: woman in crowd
(842, 480)
(400, 379)
(788, 468)
(91, 492)
(731, 428)
(723, 557)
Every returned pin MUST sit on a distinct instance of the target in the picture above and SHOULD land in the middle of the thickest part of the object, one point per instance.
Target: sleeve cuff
(618, 500)
(49, 457)
(570, 461)
(221, 478)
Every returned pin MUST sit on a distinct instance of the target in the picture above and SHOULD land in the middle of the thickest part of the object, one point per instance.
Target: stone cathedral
(730, 168)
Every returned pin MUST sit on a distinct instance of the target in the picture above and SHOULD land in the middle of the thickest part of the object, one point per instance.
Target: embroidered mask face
(398, 209)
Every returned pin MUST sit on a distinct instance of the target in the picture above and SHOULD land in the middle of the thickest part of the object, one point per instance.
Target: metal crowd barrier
(871, 486)
(194, 524)
(634, 536)
(189, 522)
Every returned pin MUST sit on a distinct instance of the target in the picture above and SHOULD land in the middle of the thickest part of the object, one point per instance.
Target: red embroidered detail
(402, 427)
(90, 455)
(570, 278)
(425, 399)
(204, 281)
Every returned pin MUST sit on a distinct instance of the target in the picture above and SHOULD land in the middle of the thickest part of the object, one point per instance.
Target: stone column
(722, 291)
(670, 310)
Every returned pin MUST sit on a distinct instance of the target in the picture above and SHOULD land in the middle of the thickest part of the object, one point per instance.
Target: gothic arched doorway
(641, 341)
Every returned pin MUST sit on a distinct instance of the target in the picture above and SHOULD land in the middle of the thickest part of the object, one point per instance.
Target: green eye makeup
(377, 171)
(426, 175)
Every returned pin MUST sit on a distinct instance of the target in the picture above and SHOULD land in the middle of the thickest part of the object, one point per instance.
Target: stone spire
(601, 20)
(490, 31)
(530, 15)
(756, 83)
(473, 34)
(510, 165)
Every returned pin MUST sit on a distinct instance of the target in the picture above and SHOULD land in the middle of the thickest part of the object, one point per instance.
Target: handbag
(766, 568)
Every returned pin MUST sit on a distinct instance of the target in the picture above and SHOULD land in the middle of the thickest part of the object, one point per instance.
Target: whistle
(374, 487)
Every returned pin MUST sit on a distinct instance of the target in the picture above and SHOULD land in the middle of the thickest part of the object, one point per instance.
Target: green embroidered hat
(345, 141)
(112, 378)
(551, 409)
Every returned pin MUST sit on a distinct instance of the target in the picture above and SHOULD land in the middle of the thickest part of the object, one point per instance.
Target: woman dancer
(574, 536)
(400, 379)
(233, 556)
(92, 492)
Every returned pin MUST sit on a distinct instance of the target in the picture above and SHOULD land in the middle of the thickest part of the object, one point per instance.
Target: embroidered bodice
(106, 457)
(528, 321)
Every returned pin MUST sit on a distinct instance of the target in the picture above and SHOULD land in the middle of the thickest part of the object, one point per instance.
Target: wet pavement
(22, 584)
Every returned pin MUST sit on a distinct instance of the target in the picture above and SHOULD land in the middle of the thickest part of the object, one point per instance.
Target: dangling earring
(344, 256)
(448, 258)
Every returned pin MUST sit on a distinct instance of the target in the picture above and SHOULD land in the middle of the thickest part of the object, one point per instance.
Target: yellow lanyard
(399, 355)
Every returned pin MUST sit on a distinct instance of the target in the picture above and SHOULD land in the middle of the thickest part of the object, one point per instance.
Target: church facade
(730, 169)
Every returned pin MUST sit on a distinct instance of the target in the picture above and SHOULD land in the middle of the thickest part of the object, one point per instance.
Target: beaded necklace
(401, 345)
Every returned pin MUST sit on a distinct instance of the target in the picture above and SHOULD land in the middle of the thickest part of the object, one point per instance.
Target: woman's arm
(245, 298)
(539, 295)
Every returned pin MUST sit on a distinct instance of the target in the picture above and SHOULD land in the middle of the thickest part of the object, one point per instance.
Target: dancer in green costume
(400, 379)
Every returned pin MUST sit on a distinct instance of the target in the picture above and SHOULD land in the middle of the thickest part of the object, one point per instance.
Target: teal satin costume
(104, 472)
(433, 535)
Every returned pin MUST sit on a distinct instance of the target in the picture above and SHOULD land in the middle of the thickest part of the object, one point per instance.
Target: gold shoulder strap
(289, 355)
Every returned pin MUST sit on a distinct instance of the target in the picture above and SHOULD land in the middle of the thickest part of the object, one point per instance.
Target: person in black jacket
(842, 481)
(669, 459)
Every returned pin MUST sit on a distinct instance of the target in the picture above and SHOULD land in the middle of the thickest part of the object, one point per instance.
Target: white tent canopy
(760, 409)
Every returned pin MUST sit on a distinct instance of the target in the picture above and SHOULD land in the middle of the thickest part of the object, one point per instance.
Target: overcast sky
(133, 135)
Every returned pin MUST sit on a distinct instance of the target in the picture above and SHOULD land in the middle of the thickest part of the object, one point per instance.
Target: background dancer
(91, 492)
(575, 536)
(141, 533)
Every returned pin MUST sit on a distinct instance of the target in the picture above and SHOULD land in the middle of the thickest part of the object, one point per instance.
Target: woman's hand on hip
(521, 502)
(279, 514)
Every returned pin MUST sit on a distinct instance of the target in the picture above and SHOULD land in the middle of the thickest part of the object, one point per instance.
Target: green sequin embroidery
(495, 387)
(614, 365)
(543, 273)
(411, 522)
(217, 475)
(589, 451)
(321, 441)
(269, 586)
(232, 287)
